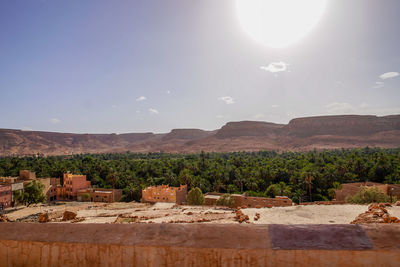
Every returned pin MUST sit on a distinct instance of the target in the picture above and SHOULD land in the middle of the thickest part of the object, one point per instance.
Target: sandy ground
(171, 213)
(312, 214)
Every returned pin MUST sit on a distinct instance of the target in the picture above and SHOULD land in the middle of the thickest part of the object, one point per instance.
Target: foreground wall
(23, 244)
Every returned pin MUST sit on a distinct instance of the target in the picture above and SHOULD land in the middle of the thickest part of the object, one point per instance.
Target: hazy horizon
(153, 66)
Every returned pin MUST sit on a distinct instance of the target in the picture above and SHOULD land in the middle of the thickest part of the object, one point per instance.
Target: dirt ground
(133, 212)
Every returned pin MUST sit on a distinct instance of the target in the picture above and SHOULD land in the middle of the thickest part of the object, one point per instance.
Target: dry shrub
(368, 195)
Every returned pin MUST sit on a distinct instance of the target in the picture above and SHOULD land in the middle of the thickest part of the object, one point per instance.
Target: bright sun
(279, 23)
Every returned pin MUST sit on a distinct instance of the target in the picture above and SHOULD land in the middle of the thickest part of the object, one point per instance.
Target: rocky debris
(204, 220)
(191, 221)
(189, 213)
(258, 207)
(376, 213)
(81, 219)
(333, 202)
(3, 218)
(257, 216)
(69, 215)
(33, 218)
(240, 217)
(397, 203)
(43, 218)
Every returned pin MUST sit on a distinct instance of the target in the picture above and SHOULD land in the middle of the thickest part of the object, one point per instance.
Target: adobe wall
(249, 202)
(5, 196)
(181, 195)
(252, 202)
(24, 244)
(27, 175)
(164, 193)
(351, 189)
(394, 190)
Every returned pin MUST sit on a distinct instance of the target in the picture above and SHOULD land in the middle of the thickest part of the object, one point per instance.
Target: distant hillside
(300, 134)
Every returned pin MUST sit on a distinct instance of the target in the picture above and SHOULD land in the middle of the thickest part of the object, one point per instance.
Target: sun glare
(279, 23)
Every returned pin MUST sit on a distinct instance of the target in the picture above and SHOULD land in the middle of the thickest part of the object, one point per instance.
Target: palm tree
(308, 180)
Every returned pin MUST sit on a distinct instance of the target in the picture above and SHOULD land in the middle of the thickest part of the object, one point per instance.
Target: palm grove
(301, 176)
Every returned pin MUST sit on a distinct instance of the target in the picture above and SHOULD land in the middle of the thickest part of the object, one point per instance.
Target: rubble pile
(43, 218)
(240, 217)
(32, 218)
(3, 218)
(376, 213)
(69, 215)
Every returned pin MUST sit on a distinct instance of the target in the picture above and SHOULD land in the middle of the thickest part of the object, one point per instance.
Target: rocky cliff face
(324, 132)
(346, 125)
(248, 128)
(187, 134)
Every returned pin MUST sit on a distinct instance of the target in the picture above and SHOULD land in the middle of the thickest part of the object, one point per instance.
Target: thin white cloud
(389, 75)
(141, 98)
(55, 120)
(340, 108)
(114, 106)
(220, 116)
(227, 99)
(275, 67)
(275, 106)
(379, 84)
(137, 111)
(153, 111)
(168, 92)
(259, 116)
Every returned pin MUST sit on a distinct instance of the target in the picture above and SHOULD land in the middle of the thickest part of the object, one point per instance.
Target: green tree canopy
(33, 194)
(195, 197)
(368, 195)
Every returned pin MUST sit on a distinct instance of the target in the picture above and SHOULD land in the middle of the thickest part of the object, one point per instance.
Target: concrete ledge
(24, 244)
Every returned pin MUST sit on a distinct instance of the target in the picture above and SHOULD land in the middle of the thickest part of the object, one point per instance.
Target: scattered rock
(69, 215)
(397, 203)
(240, 217)
(3, 218)
(43, 218)
(78, 220)
(376, 213)
(189, 213)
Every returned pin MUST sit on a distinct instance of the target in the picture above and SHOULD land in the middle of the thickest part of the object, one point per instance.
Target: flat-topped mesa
(187, 134)
(304, 134)
(344, 125)
(248, 128)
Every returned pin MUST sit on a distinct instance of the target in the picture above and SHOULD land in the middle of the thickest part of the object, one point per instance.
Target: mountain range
(300, 134)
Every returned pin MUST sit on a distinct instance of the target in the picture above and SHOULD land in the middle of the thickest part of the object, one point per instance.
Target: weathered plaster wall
(23, 244)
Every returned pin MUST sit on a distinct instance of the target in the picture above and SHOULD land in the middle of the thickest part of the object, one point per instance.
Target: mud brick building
(50, 187)
(250, 202)
(27, 175)
(350, 189)
(72, 184)
(164, 193)
(15, 183)
(99, 195)
(5, 196)
(50, 183)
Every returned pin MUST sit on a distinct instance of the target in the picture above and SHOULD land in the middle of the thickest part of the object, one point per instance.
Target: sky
(151, 66)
